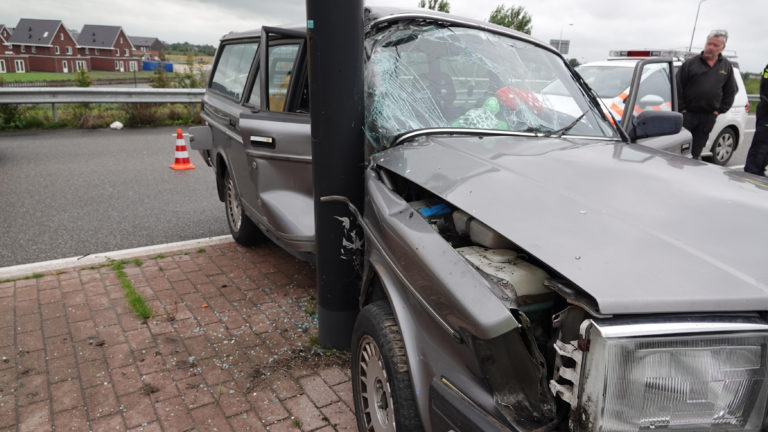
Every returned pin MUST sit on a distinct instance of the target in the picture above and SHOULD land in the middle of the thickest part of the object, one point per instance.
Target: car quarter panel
(446, 283)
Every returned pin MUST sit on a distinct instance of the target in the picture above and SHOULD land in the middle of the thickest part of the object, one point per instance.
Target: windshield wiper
(558, 133)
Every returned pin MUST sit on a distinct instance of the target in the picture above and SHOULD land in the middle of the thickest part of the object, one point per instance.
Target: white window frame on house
(2, 66)
(96, 51)
(34, 49)
(86, 50)
(23, 49)
(64, 66)
(117, 65)
(69, 50)
(132, 66)
(121, 39)
(61, 36)
(125, 52)
(117, 52)
(19, 66)
(56, 48)
(80, 65)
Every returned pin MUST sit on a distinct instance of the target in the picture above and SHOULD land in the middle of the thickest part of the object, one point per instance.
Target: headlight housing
(692, 382)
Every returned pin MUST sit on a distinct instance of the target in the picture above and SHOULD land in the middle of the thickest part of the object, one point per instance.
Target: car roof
(378, 16)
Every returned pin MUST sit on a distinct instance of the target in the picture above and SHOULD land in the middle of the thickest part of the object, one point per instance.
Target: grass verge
(135, 300)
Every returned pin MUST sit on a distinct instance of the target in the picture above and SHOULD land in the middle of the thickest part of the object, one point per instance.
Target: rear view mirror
(650, 124)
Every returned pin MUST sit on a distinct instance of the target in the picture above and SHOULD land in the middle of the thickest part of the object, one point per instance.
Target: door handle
(262, 141)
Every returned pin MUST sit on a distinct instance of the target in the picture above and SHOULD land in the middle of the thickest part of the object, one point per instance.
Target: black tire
(724, 146)
(381, 382)
(242, 228)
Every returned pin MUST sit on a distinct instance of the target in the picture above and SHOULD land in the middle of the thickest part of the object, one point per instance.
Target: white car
(611, 80)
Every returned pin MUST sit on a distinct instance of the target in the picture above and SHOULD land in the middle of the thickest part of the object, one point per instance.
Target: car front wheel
(242, 228)
(381, 383)
(723, 147)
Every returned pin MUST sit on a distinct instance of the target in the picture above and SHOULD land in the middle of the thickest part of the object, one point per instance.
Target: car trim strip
(628, 328)
(377, 243)
(224, 129)
(283, 157)
(484, 132)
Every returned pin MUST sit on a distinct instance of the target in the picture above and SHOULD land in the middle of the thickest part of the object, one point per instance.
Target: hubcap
(724, 147)
(375, 394)
(234, 213)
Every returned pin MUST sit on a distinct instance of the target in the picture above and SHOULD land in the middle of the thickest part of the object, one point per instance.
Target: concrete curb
(100, 258)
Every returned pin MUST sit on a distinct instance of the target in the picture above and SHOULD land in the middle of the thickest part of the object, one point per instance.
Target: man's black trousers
(700, 125)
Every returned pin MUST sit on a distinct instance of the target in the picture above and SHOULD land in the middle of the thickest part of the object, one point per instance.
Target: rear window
(232, 69)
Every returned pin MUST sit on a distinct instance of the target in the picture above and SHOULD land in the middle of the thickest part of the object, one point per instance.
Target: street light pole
(560, 40)
(690, 45)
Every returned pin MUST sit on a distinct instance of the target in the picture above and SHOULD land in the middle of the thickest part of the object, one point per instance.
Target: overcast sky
(593, 26)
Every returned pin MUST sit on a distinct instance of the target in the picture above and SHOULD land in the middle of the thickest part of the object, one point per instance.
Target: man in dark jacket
(706, 88)
(757, 158)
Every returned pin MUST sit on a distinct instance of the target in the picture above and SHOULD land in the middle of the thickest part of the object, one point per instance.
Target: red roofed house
(47, 45)
(108, 48)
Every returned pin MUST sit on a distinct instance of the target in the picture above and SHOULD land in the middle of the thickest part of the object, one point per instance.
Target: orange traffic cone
(182, 156)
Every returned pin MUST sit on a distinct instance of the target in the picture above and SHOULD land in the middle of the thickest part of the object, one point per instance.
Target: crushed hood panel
(640, 230)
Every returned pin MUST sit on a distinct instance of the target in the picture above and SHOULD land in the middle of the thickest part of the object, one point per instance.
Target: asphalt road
(67, 193)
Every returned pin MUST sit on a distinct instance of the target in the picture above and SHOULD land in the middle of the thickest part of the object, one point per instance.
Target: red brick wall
(123, 45)
(62, 39)
(10, 63)
(108, 63)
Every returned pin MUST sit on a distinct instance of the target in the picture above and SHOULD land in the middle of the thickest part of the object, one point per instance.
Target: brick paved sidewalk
(75, 357)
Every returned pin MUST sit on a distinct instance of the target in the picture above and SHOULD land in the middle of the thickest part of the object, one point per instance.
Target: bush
(10, 116)
(140, 115)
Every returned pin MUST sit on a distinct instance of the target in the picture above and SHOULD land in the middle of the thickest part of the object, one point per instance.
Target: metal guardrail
(65, 95)
(53, 95)
(753, 98)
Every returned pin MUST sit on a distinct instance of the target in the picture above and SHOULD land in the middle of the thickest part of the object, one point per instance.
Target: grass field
(180, 58)
(53, 76)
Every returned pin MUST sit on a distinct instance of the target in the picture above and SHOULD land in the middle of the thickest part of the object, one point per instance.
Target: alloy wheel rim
(233, 206)
(724, 147)
(375, 393)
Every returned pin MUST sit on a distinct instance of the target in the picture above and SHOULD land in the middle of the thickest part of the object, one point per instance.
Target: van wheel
(723, 147)
(242, 228)
(381, 382)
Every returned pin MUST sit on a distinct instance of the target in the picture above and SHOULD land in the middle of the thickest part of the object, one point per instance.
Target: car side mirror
(650, 100)
(650, 124)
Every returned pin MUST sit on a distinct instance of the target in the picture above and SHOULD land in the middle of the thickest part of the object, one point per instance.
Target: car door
(654, 88)
(276, 135)
(222, 105)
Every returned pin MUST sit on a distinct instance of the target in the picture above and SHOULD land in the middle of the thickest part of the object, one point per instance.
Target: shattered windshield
(421, 76)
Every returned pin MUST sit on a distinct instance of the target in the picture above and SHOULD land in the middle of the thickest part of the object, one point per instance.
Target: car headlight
(713, 381)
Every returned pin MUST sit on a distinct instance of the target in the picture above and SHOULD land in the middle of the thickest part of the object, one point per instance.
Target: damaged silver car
(527, 266)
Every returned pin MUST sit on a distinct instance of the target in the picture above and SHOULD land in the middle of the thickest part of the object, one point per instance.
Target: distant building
(146, 45)
(108, 48)
(46, 45)
(5, 34)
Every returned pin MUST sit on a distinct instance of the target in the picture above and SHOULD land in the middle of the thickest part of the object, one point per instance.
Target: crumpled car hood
(640, 230)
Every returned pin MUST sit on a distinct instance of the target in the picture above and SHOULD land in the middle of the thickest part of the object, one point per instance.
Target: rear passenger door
(275, 130)
(222, 106)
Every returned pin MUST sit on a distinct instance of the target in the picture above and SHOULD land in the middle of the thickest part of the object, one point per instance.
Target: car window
(655, 90)
(607, 81)
(232, 69)
(281, 62)
(426, 76)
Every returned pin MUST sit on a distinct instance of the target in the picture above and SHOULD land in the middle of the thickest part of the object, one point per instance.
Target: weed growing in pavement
(158, 256)
(311, 308)
(135, 300)
(297, 422)
(201, 250)
(32, 276)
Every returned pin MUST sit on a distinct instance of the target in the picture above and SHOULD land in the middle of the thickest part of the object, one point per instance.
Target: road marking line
(736, 167)
(100, 258)
(749, 130)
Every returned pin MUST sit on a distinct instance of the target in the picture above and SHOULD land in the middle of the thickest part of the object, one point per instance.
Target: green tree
(438, 5)
(82, 79)
(192, 77)
(514, 17)
(159, 78)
